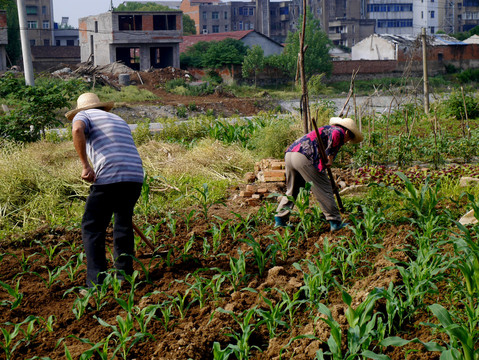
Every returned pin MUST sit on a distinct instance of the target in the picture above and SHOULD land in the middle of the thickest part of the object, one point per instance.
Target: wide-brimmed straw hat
(349, 124)
(89, 101)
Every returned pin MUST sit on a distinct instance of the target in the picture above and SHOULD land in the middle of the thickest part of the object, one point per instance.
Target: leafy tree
(193, 56)
(253, 62)
(189, 27)
(188, 23)
(13, 47)
(224, 53)
(36, 106)
(316, 59)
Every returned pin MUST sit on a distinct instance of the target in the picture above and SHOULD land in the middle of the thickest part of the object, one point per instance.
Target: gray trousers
(300, 170)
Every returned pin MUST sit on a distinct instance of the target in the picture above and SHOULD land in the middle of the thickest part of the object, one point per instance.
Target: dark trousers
(116, 199)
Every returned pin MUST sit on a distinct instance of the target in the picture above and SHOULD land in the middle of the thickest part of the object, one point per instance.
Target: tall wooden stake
(304, 87)
(424, 68)
(26, 51)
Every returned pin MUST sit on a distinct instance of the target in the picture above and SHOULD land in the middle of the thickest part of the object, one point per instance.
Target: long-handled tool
(143, 237)
(324, 159)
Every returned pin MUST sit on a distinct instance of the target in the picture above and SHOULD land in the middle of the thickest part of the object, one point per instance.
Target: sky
(75, 9)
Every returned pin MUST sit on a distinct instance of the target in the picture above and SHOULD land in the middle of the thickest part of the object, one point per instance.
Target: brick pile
(254, 194)
(267, 170)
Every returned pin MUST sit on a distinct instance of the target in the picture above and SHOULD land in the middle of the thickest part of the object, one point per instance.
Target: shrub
(454, 106)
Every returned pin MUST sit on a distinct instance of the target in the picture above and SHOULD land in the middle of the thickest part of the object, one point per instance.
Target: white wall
(373, 48)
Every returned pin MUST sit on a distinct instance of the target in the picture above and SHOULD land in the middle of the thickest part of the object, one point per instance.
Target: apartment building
(140, 39)
(40, 22)
(469, 14)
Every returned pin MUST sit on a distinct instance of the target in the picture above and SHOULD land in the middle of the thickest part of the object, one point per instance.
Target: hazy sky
(76, 9)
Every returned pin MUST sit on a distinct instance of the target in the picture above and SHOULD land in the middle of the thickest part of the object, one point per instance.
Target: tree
(226, 52)
(189, 27)
(316, 59)
(253, 62)
(193, 56)
(13, 48)
(188, 23)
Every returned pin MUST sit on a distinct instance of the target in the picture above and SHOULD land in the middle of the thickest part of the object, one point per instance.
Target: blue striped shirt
(110, 147)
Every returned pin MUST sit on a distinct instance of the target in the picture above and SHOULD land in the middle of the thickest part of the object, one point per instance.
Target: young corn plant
(319, 277)
(188, 217)
(246, 322)
(53, 275)
(216, 232)
(237, 273)
(166, 314)
(373, 219)
(273, 316)
(261, 257)
(361, 331)
(25, 261)
(203, 197)
(81, 303)
(9, 344)
(171, 223)
(124, 333)
(181, 303)
(292, 304)
(199, 290)
(14, 292)
(73, 266)
(283, 242)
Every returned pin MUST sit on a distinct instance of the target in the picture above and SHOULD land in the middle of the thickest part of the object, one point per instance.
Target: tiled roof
(193, 39)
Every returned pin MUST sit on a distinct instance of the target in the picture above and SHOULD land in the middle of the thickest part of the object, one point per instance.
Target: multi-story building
(40, 22)
(269, 18)
(140, 39)
(469, 14)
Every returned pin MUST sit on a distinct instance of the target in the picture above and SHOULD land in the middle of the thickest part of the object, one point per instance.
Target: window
(226, 28)
(240, 25)
(234, 11)
(432, 30)
(32, 10)
(234, 26)
(44, 10)
(226, 15)
(129, 22)
(216, 29)
(251, 11)
(130, 56)
(214, 15)
(46, 24)
(389, 7)
(432, 14)
(283, 10)
(422, 14)
(205, 29)
(272, 12)
(96, 26)
(32, 24)
(204, 15)
(46, 42)
(70, 42)
(32, 42)
(164, 22)
(57, 43)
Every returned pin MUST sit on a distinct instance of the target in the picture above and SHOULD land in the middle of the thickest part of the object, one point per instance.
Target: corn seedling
(101, 292)
(284, 242)
(146, 269)
(50, 250)
(206, 247)
(100, 348)
(81, 303)
(166, 314)
(24, 261)
(144, 316)
(49, 322)
(187, 218)
(125, 340)
(204, 199)
(346, 260)
(14, 292)
(373, 219)
(247, 326)
(292, 304)
(319, 277)
(245, 224)
(188, 245)
(8, 344)
(422, 202)
(273, 317)
(53, 275)
(72, 267)
(181, 303)
(221, 354)
(199, 289)
(217, 233)
(171, 223)
(237, 272)
(261, 257)
(360, 333)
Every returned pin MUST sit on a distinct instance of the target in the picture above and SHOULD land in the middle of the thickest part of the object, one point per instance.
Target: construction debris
(270, 170)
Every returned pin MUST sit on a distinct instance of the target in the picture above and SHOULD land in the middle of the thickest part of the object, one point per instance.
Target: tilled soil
(25, 262)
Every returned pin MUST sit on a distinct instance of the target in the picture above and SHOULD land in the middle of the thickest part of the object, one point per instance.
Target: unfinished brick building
(139, 39)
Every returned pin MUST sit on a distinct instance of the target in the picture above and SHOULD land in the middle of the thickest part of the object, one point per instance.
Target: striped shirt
(332, 138)
(110, 147)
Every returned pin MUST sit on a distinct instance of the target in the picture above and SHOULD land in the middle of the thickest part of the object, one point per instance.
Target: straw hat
(350, 125)
(89, 101)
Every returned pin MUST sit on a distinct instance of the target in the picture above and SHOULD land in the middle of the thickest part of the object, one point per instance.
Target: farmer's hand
(88, 174)
(329, 163)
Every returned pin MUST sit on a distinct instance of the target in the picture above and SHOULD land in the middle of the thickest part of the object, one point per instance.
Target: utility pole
(26, 52)
(424, 68)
